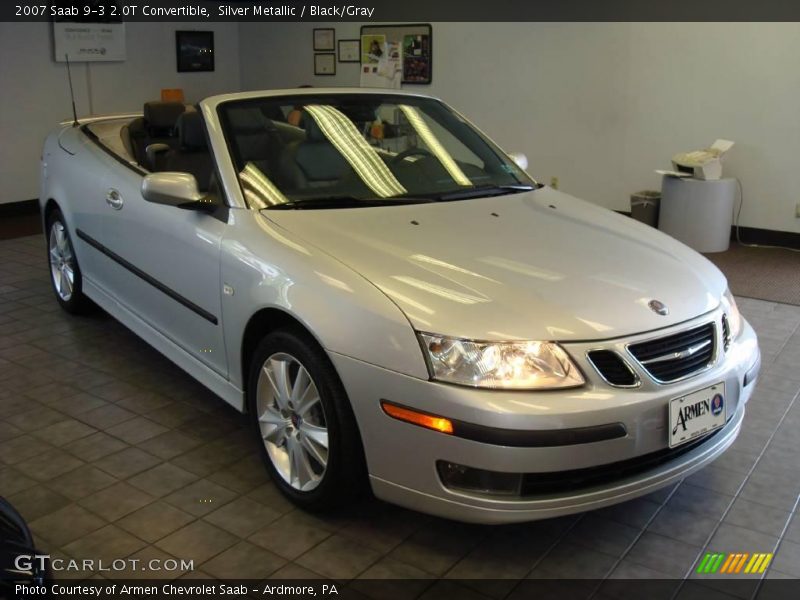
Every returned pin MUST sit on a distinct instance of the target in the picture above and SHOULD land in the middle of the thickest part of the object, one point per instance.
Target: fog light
(477, 481)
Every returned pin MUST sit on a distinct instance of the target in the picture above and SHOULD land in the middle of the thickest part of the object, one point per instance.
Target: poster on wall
(90, 39)
(416, 58)
(415, 51)
(381, 62)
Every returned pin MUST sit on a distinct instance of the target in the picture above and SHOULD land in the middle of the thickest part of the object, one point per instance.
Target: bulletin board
(416, 43)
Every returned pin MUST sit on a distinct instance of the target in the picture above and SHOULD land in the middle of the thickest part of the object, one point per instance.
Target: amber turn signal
(417, 418)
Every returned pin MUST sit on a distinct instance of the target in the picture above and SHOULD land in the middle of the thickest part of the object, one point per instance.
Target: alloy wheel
(292, 421)
(62, 261)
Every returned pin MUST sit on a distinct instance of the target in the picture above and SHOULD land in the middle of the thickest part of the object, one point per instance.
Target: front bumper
(402, 458)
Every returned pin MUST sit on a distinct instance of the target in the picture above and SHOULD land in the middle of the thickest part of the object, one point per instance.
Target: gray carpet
(763, 273)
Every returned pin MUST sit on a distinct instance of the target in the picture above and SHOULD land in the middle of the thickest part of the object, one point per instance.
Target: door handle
(114, 200)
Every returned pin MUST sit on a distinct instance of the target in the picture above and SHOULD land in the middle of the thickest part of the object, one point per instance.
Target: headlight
(507, 365)
(734, 316)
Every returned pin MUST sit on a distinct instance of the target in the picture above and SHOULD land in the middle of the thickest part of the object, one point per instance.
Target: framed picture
(195, 51)
(325, 63)
(324, 40)
(348, 51)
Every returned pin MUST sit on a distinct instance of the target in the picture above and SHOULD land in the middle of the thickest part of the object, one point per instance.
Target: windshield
(319, 149)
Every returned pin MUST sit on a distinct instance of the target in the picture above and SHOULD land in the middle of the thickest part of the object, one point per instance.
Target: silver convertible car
(395, 303)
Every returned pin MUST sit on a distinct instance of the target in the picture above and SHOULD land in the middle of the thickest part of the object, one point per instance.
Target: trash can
(644, 207)
(698, 212)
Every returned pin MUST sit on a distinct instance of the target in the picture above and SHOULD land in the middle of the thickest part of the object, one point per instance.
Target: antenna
(71, 93)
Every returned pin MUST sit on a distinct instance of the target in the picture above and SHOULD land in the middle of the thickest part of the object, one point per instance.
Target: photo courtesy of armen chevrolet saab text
(396, 305)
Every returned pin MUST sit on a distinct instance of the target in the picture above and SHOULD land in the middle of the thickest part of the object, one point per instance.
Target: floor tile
(162, 479)
(127, 462)
(603, 535)
(66, 525)
(243, 561)
(106, 416)
(13, 481)
(79, 404)
(108, 543)
(136, 430)
(664, 554)
(678, 524)
(772, 490)
(37, 418)
(758, 517)
(154, 521)
(290, 536)
(198, 541)
(9, 431)
(436, 549)
(732, 538)
(81, 482)
(201, 497)
(116, 501)
(787, 559)
(95, 446)
(37, 501)
(62, 433)
(339, 557)
(635, 513)
(718, 479)
(22, 448)
(693, 499)
(392, 579)
(568, 561)
(242, 476)
(242, 517)
(49, 464)
(169, 445)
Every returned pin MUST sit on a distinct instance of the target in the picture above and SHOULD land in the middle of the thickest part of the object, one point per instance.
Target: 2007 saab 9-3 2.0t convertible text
(393, 300)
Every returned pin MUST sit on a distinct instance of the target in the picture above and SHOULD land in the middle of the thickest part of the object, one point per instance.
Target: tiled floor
(110, 451)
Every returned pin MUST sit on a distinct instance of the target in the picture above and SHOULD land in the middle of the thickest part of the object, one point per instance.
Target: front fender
(264, 266)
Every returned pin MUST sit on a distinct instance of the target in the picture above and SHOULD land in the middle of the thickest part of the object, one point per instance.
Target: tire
(65, 273)
(320, 479)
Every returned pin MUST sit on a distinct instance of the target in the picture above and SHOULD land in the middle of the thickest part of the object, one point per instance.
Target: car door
(83, 205)
(163, 264)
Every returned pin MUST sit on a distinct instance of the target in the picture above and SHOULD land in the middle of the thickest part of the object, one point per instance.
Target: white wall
(34, 95)
(600, 105)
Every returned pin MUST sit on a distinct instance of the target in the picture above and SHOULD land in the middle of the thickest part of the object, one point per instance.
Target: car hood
(537, 265)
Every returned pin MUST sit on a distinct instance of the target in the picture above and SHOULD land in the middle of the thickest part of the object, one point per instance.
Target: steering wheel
(409, 152)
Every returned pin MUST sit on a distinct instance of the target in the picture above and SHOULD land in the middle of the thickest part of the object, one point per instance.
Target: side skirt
(213, 381)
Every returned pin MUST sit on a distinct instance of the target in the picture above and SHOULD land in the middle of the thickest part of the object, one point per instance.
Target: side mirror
(519, 159)
(176, 189)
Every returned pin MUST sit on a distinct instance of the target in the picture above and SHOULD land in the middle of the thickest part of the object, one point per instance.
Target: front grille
(677, 356)
(539, 484)
(612, 368)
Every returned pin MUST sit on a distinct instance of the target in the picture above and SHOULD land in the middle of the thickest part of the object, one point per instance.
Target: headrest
(313, 132)
(190, 131)
(162, 115)
(247, 120)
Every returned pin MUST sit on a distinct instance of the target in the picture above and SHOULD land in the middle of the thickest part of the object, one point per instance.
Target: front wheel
(308, 437)
(65, 273)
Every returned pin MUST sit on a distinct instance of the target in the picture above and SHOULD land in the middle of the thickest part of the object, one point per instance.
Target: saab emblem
(658, 307)
(717, 404)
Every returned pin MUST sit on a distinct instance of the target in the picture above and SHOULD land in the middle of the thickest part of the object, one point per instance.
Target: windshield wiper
(484, 191)
(344, 202)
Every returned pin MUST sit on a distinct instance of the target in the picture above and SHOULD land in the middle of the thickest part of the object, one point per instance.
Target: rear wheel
(65, 273)
(308, 437)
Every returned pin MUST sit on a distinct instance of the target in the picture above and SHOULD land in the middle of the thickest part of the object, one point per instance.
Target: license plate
(696, 414)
